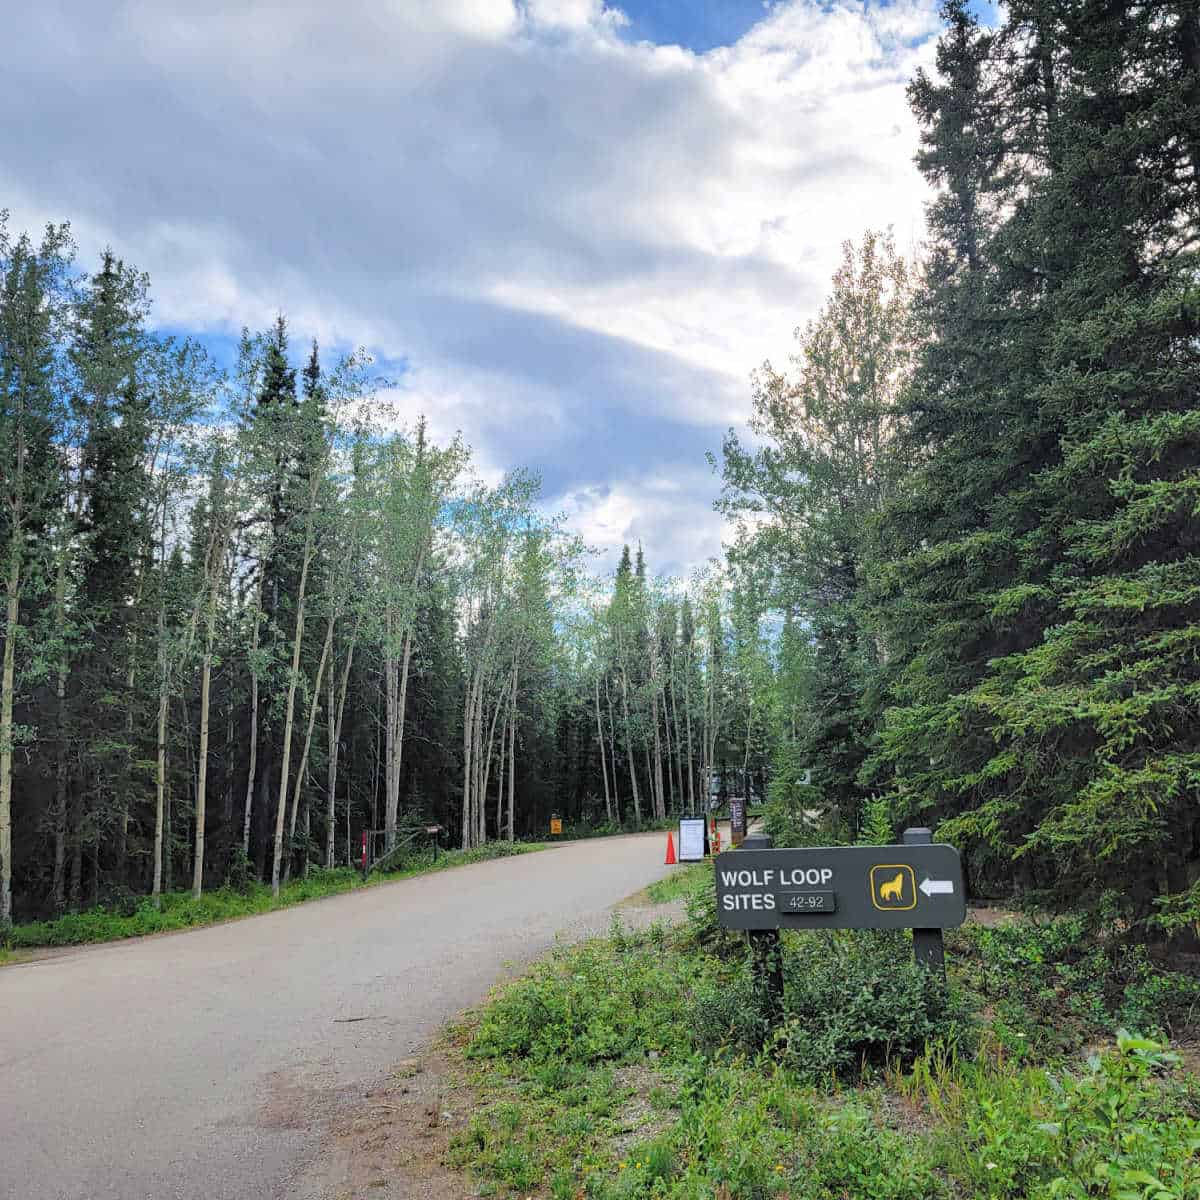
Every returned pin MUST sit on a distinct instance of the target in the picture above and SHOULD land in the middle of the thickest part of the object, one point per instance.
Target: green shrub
(1056, 984)
(789, 799)
(1119, 1129)
(605, 1001)
(851, 1000)
(732, 1139)
(241, 877)
(857, 998)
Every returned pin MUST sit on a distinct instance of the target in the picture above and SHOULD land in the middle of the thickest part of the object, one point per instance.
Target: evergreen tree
(111, 405)
(1044, 606)
(31, 419)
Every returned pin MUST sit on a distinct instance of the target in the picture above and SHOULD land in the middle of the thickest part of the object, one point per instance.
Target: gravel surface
(207, 1065)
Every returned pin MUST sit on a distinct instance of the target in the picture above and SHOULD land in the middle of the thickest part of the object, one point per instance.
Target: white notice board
(691, 839)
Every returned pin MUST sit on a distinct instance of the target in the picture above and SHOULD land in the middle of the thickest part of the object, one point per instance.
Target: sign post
(766, 951)
(917, 885)
(928, 947)
(737, 820)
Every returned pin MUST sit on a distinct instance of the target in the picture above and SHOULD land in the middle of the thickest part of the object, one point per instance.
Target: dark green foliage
(1041, 603)
(851, 1000)
(1055, 985)
(794, 814)
(578, 1013)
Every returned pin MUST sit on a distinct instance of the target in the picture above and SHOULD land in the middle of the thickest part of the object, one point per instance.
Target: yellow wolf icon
(892, 889)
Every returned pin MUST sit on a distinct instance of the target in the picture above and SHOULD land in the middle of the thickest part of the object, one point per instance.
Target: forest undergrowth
(1056, 1061)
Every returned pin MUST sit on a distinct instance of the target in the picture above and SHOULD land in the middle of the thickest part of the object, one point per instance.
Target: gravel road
(205, 1065)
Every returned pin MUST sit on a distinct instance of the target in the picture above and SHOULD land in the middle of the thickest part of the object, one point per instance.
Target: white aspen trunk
(58, 890)
(660, 807)
(500, 778)
(746, 756)
(687, 712)
(130, 680)
(335, 747)
(160, 783)
(612, 746)
(512, 761)
(637, 804)
(398, 702)
(487, 763)
(468, 743)
(480, 827)
(202, 752)
(669, 748)
(302, 770)
(710, 747)
(475, 719)
(248, 809)
(290, 711)
(331, 776)
(307, 829)
(608, 808)
(650, 781)
(678, 748)
(164, 689)
(391, 798)
(480, 769)
(401, 711)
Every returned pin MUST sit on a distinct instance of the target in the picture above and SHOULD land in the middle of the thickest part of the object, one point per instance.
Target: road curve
(204, 1065)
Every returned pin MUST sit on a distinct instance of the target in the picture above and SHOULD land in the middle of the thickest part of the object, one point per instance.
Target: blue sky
(697, 24)
(568, 230)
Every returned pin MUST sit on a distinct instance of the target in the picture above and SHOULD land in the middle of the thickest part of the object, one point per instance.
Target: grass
(680, 884)
(640, 1066)
(180, 911)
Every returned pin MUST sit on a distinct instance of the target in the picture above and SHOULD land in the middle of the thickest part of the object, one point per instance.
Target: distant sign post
(556, 826)
(917, 885)
(737, 820)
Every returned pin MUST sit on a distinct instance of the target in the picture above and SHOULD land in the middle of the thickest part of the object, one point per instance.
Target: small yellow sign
(893, 887)
(556, 824)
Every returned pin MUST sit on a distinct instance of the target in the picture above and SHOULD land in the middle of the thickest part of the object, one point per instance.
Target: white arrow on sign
(937, 887)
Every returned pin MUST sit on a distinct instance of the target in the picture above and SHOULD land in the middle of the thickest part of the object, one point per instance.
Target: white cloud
(659, 511)
(574, 14)
(580, 245)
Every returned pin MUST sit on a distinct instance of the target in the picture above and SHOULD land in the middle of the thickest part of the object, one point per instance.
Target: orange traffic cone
(670, 850)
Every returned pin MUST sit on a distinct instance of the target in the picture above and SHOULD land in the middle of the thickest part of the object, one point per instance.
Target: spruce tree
(1043, 602)
(31, 418)
(111, 405)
